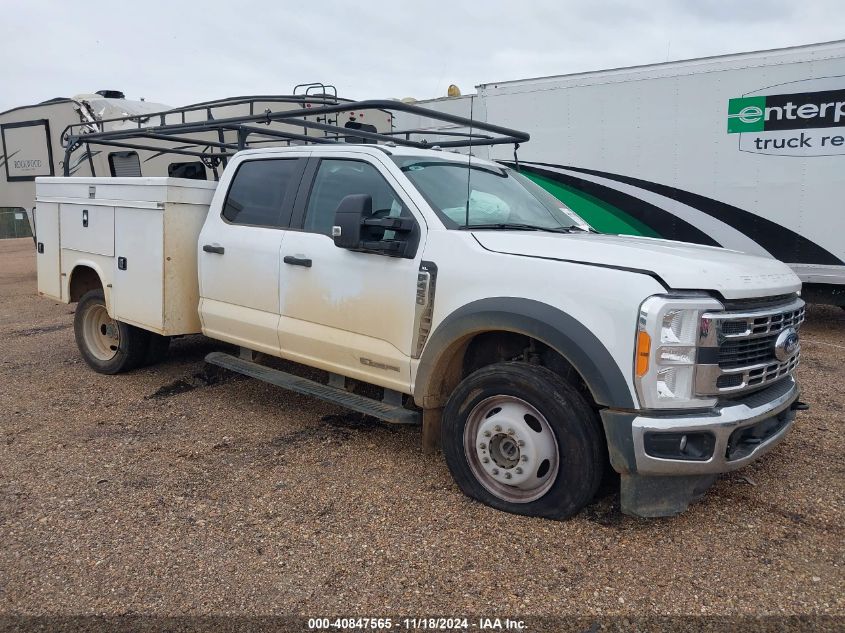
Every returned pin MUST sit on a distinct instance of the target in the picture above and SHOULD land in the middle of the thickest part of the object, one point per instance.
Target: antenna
(469, 159)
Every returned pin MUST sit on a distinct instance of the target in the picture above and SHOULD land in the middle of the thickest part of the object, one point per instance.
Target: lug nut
(487, 433)
(520, 443)
(524, 458)
(497, 428)
(507, 475)
(495, 471)
(482, 446)
(485, 460)
(511, 432)
(518, 470)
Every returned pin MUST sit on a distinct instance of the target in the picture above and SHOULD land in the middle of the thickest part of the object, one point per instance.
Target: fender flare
(557, 329)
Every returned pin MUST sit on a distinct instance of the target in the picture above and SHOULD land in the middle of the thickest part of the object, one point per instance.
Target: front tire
(108, 346)
(519, 438)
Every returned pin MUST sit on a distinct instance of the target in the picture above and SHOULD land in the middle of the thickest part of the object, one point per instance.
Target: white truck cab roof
(373, 150)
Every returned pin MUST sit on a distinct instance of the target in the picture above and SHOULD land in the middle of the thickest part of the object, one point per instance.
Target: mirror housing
(348, 219)
(355, 228)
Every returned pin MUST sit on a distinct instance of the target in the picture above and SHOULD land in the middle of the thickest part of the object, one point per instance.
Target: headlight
(665, 355)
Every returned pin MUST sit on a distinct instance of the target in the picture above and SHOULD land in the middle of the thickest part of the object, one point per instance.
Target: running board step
(367, 406)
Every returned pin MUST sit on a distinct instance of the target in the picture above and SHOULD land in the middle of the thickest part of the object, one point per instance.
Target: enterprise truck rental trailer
(743, 151)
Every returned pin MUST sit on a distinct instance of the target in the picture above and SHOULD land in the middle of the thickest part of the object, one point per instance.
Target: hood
(680, 265)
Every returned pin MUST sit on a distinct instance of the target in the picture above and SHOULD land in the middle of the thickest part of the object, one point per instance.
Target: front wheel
(108, 346)
(521, 439)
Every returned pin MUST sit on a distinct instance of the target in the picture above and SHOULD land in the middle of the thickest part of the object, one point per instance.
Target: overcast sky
(184, 51)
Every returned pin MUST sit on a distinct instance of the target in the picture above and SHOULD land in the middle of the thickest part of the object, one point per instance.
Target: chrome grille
(737, 349)
(734, 327)
(774, 371)
(749, 351)
(761, 322)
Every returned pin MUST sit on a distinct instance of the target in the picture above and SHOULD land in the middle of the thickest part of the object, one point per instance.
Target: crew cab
(534, 350)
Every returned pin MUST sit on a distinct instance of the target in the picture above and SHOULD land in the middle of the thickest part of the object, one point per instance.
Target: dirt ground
(163, 492)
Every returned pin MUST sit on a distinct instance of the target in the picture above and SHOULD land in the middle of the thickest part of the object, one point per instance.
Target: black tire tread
(134, 342)
(576, 425)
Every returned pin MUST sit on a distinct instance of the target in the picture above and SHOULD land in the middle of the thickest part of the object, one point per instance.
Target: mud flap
(660, 496)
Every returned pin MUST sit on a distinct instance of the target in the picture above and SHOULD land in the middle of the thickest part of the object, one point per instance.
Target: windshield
(498, 197)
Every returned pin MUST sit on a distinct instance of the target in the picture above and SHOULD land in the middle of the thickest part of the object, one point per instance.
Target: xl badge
(786, 344)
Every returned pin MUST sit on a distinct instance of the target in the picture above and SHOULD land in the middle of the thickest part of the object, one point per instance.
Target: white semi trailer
(743, 151)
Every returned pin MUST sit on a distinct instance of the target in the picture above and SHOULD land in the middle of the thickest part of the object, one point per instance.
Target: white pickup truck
(535, 350)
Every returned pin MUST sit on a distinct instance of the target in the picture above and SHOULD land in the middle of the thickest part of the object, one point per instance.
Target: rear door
(239, 251)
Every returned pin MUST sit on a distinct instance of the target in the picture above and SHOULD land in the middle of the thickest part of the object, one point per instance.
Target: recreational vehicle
(35, 139)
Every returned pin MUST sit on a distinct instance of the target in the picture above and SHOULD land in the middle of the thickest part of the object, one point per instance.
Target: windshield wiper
(515, 226)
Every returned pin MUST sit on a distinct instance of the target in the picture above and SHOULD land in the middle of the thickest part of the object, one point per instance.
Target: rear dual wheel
(519, 438)
(110, 346)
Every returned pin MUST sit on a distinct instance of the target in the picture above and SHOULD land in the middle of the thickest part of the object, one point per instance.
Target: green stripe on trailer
(602, 216)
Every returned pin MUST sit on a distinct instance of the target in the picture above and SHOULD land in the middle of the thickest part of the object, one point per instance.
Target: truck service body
(536, 350)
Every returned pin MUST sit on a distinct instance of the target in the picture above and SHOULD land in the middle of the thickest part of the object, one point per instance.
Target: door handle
(297, 261)
(213, 248)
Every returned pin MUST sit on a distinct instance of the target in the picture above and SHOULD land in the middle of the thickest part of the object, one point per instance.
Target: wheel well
(485, 348)
(82, 280)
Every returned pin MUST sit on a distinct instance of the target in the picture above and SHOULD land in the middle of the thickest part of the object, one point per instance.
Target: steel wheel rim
(507, 453)
(101, 333)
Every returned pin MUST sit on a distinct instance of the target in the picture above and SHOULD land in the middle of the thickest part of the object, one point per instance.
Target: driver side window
(337, 179)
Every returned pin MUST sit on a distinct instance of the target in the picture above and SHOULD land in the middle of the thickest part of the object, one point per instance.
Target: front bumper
(739, 432)
(769, 410)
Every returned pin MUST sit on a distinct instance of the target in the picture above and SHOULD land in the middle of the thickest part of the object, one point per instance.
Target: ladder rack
(304, 118)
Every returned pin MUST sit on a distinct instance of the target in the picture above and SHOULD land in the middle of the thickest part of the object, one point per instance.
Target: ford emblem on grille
(786, 344)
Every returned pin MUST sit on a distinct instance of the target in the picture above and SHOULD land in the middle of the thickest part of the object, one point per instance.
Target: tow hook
(800, 406)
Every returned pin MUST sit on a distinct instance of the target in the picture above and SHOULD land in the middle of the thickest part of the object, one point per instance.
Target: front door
(349, 312)
(239, 253)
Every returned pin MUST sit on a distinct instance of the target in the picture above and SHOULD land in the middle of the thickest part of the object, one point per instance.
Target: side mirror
(355, 229)
(348, 219)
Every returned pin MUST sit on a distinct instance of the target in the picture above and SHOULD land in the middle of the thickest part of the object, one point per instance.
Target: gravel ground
(166, 492)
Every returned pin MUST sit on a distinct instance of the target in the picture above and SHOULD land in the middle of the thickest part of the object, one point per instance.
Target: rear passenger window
(259, 190)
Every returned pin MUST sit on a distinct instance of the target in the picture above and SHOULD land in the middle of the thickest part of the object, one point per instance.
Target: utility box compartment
(138, 286)
(138, 234)
(88, 228)
(48, 251)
